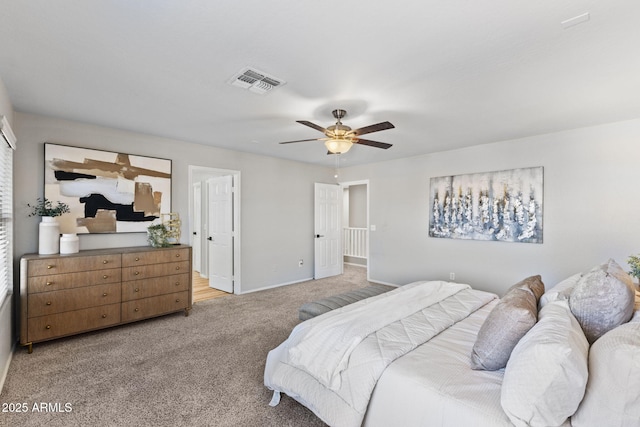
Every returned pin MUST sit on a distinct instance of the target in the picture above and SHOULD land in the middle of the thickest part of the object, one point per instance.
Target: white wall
(591, 209)
(6, 306)
(358, 206)
(276, 195)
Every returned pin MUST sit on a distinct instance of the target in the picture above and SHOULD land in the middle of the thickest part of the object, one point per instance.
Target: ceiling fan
(340, 138)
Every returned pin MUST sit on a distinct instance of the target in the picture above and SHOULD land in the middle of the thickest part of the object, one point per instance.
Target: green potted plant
(158, 236)
(634, 263)
(44, 207)
(49, 230)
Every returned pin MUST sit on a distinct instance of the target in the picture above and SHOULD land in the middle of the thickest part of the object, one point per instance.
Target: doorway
(214, 213)
(355, 220)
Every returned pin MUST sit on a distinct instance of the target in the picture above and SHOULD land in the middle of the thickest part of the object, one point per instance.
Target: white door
(220, 232)
(196, 242)
(328, 226)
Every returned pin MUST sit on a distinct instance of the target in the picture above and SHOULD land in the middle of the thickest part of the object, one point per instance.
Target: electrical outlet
(300, 263)
(452, 276)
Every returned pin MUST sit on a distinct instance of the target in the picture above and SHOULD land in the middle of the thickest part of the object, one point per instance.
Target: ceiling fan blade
(372, 128)
(301, 140)
(312, 125)
(372, 143)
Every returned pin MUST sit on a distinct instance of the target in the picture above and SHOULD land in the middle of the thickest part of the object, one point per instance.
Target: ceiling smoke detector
(255, 81)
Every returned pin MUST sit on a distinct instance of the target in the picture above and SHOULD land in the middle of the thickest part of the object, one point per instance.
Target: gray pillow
(602, 299)
(533, 284)
(509, 321)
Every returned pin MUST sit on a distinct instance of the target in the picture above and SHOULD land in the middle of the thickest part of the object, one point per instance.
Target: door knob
(210, 238)
(319, 235)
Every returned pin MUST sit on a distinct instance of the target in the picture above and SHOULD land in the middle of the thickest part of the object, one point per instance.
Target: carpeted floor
(201, 370)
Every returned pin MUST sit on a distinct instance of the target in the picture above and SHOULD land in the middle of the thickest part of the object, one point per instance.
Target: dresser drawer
(155, 270)
(42, 267)
(72, 299)
(149, 307)
(56, 282)
(71, 322)
(155, 257)
(145, 288)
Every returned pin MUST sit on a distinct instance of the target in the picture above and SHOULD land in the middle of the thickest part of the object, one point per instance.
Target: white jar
(48, 236)
(69, 244)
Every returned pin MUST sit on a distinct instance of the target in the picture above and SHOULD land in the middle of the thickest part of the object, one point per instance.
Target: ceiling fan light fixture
(338, 146)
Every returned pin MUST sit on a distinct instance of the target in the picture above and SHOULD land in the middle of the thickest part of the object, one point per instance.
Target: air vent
(256, 81)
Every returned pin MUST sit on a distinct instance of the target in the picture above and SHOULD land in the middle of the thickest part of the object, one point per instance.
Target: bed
(433, 384)
(405, 358)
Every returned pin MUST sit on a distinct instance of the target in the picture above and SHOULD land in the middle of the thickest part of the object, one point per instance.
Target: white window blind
(7, 145)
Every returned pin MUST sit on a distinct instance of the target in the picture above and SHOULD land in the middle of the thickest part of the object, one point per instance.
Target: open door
(220, 230)
(328, 231)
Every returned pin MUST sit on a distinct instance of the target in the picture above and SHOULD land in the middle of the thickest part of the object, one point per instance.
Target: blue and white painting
(501, 206)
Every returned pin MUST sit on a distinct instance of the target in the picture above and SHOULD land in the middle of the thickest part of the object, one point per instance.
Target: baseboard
(355, 265)
(276, 286)
(383, 283)
(5, 369)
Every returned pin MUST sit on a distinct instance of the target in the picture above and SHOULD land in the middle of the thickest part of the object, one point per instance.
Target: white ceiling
(446, 73)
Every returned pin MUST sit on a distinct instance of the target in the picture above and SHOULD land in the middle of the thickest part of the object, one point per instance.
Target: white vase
(69, 243)
(48, 236)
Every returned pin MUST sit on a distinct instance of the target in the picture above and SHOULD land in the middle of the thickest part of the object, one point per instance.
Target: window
(7, 145)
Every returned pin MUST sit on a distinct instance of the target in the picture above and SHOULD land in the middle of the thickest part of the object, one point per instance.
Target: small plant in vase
(49, 230)
(158, 236)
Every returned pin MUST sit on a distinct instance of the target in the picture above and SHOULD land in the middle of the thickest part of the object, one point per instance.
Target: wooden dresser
(62, 295)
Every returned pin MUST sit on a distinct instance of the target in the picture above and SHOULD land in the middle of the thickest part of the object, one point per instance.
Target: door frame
(365, 182)
(197, 252)
(200, 173)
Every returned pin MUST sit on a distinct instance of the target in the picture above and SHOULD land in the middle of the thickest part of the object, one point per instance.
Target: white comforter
(331, 363)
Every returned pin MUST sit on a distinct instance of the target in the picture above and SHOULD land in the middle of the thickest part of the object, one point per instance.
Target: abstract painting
(107, 192)
(501, 206)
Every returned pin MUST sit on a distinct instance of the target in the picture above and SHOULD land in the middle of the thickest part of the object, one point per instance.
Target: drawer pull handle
(48, 302)
(105, 277)
(137, 259)
(136, 273)
(105, 262)
(104, 294)
(136, 310)
(49, 283)
(177, 255)
(136, 290)
(177, 299)
(48, 327)
(104, 316)
(177, 268)
(177, 283)
(50, 266)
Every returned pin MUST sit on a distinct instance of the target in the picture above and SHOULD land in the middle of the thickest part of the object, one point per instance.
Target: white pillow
(546, 375)
(612, 398)
(561, 291)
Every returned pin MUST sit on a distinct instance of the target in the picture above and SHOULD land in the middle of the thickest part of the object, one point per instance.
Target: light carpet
(202, 370)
